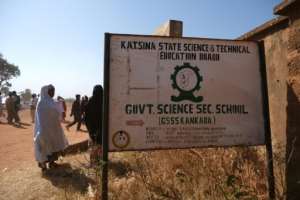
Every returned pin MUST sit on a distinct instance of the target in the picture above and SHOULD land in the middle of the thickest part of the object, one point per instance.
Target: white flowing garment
(49, 136)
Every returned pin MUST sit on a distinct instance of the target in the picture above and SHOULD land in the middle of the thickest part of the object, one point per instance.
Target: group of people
(78, 111)
(49, 139)
(13, 106)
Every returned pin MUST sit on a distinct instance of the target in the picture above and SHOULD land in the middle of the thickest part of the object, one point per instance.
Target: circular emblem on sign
(186, 79)
(121, 139)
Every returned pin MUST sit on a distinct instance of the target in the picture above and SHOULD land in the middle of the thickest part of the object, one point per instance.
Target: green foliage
(230, 180)
(7, 72)
(4, 90)
(236, 190)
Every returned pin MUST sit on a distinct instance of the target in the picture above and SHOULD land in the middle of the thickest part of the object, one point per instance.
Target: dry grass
(194, 174)
(73, 179)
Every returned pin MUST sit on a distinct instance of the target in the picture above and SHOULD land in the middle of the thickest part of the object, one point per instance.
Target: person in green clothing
(10, 107)
(17, 105)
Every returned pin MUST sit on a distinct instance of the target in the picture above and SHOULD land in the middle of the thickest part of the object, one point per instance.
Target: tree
(7, 72)
(4, 90)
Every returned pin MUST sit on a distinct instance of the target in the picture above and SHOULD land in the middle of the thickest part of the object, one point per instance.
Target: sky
(61, 42)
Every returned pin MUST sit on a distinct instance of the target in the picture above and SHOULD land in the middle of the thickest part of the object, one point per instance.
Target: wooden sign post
(268, 140)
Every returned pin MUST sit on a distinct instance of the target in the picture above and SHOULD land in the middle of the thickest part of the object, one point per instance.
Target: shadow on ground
(64, 176)
(120, 169)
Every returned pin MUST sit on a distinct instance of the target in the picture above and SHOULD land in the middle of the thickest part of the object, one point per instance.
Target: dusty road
(20, 178)
(16, 144)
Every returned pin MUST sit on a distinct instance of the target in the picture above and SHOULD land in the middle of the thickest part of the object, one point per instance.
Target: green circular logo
(186, 79)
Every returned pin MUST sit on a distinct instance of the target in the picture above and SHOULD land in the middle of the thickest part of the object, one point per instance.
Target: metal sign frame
(264, 90)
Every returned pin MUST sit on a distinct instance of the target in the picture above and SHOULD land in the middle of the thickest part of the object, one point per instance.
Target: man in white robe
(34, 101)
(49, 137)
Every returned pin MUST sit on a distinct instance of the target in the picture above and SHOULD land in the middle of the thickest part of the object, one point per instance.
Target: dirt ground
(20, 178)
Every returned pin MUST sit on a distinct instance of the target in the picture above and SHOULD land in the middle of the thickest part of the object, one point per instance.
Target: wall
(293, 108)
(281, 37)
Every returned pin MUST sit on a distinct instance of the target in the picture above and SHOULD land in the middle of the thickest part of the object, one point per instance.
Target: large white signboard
(183, 92)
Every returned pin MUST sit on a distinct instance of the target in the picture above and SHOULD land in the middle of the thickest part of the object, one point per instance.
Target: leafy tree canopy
(7, 72)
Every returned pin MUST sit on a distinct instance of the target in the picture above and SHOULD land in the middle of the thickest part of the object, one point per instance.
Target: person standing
(84, 102)
(10, 108)
(93, 115)
(93, 122)
(60, 108)
(1, 108)
(17, 105)
(76, 112)
(49, 138)
(33, 104)
(64, 106)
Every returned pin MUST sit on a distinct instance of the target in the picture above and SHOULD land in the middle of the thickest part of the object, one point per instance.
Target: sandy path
(16, 144)
(20, 178)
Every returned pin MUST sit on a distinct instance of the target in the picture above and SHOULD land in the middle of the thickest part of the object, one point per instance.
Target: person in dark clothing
(93, 115)
(17, 104)
(76, 112)
(84, 102)
(93, 122)
(10, 108)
